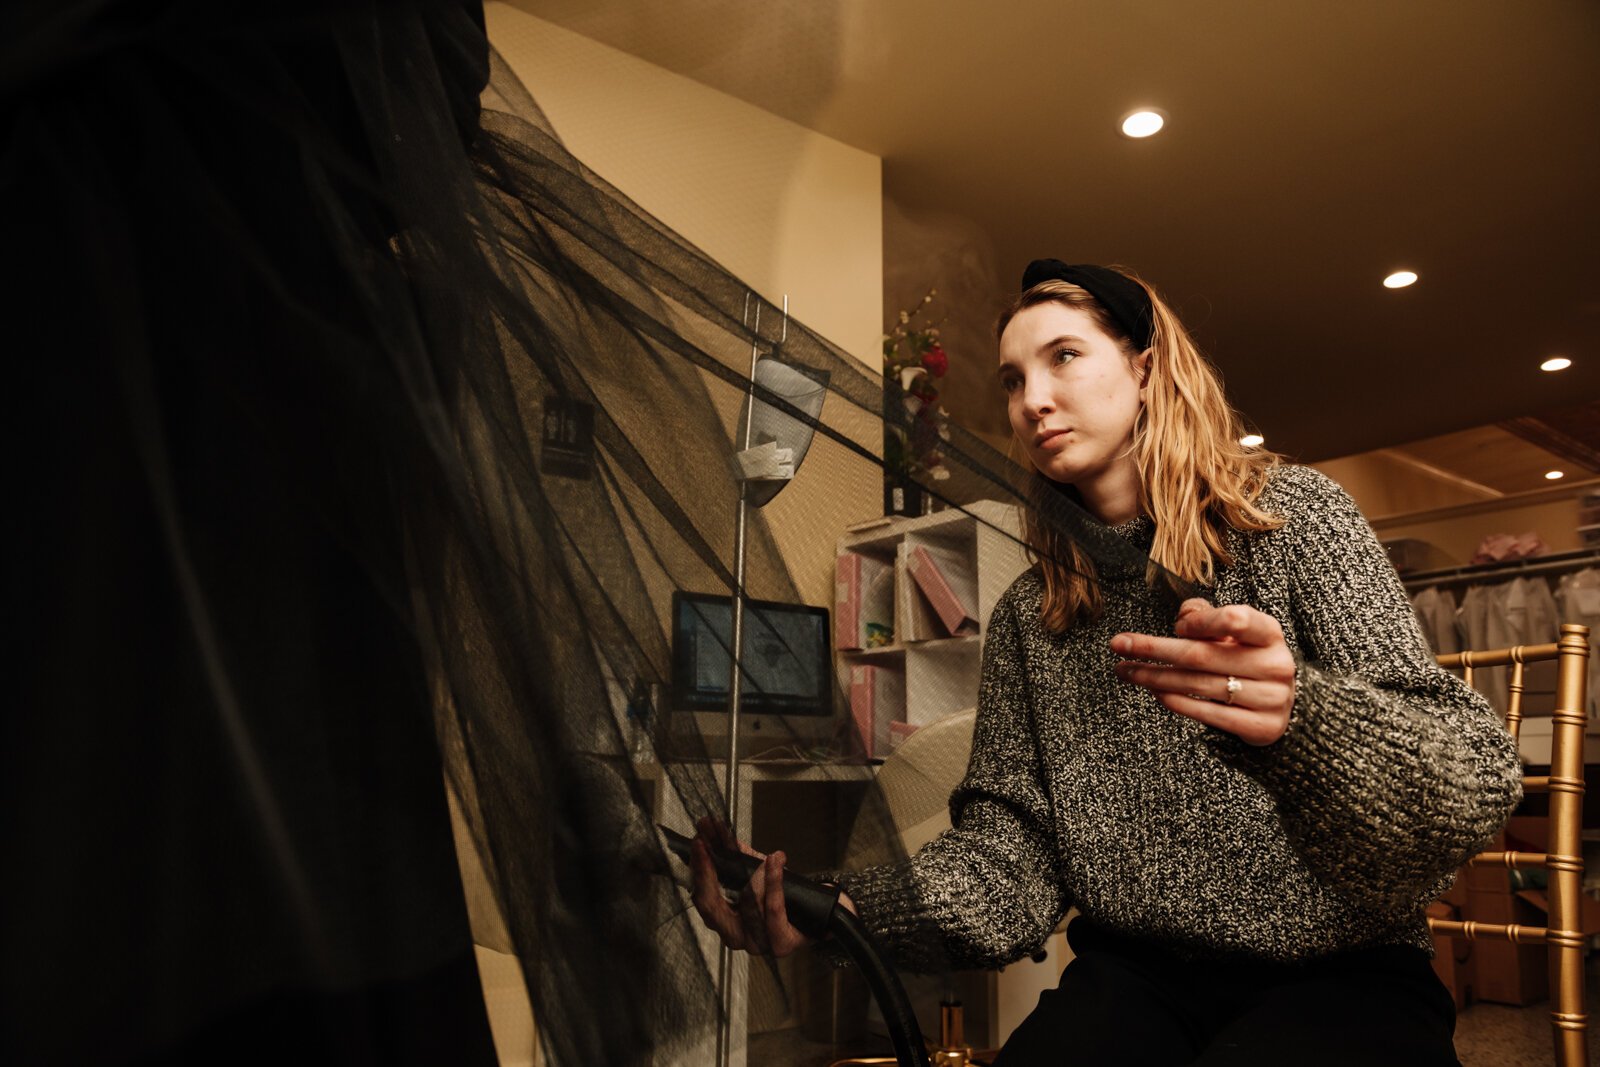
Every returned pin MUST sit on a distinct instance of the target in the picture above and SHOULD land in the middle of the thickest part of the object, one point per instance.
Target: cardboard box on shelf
(1507, 973)
(1588, 909)
(1500, 971)
(1454, 958)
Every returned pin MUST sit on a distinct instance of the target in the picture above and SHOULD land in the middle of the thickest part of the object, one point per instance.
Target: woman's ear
(1141, 368)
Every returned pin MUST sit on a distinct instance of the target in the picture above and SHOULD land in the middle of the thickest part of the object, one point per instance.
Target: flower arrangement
(913, 362)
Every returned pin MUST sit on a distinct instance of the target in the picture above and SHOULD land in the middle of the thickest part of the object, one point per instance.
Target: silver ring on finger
(1234, 685)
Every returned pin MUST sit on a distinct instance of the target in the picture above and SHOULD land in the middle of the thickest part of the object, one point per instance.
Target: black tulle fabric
(286, 308)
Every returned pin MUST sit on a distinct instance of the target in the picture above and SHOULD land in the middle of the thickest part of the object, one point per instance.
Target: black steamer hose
(814, 910)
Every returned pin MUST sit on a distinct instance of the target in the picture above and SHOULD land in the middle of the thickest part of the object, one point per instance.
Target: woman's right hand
(760, 922)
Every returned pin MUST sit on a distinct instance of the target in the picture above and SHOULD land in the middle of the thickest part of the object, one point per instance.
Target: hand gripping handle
(814, 910)
(810, 904)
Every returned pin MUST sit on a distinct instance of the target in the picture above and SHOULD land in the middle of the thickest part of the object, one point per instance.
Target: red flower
(936, 361)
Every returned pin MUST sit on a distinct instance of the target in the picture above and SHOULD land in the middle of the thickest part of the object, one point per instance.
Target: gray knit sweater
(1085, 790)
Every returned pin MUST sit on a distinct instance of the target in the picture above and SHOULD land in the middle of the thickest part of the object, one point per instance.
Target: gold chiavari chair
(1562, 935)
(951, 1051)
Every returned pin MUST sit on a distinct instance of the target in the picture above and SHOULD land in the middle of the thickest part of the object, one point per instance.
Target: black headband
(1125, 299)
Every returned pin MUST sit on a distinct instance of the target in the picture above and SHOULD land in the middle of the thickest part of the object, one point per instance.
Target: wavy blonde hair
(1196, 481)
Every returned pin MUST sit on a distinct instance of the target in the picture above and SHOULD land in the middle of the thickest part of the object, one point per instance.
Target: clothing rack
(1554, 563)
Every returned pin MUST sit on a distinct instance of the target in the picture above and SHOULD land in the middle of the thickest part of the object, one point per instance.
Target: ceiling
(1501, 463)
(1311, 149)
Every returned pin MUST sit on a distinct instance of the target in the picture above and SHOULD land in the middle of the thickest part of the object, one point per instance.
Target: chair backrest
(1562, 934)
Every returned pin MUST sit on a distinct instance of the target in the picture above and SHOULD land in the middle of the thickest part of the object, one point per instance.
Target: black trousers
(1122, 1001)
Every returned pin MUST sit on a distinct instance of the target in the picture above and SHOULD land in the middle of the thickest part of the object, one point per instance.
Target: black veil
(363, 438)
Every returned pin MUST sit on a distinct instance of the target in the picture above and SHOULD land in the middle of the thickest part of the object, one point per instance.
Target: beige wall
(1457, 536)
(1383, 485)
(925, 249)
(787, 210)
(1402, 501)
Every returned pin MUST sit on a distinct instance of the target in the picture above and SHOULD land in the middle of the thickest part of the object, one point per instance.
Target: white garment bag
(1519, 612)
(1578, 599)
(1436, 615)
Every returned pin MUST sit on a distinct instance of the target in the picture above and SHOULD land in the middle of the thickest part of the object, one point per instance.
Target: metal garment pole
(730, 776)
(1486, 572)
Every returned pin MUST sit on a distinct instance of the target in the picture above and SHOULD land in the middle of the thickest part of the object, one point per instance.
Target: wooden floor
(1497, 1035)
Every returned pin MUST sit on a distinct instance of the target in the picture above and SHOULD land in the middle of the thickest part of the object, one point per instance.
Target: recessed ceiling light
(1143, 123)
(1400, 279)
(1252, 440)
(1555, 475)
(1556, 363)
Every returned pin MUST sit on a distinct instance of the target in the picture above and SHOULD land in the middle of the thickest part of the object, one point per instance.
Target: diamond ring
(1234, 685)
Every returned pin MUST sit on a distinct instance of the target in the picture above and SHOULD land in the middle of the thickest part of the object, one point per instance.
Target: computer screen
(785, 664)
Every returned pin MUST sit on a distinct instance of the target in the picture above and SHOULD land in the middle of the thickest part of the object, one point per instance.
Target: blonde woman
(1250, 804)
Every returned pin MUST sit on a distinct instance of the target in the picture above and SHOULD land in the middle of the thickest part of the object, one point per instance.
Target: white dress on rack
(1436, 614)
(1519, 612)
(1578, 597)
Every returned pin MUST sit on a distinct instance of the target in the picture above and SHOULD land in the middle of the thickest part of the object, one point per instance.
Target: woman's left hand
(1227, 667)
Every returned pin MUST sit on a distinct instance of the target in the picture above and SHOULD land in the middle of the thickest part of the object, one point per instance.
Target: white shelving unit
(941, 676)
(940, 672)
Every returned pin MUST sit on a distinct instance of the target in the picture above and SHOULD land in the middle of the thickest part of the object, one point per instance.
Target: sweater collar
(1139, 530)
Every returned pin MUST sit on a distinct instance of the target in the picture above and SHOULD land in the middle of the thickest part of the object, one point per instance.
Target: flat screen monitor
(786, 664)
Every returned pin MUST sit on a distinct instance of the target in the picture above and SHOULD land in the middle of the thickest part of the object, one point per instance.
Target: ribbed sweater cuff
(1383, 799)
(1335, 732)
(895, 912)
